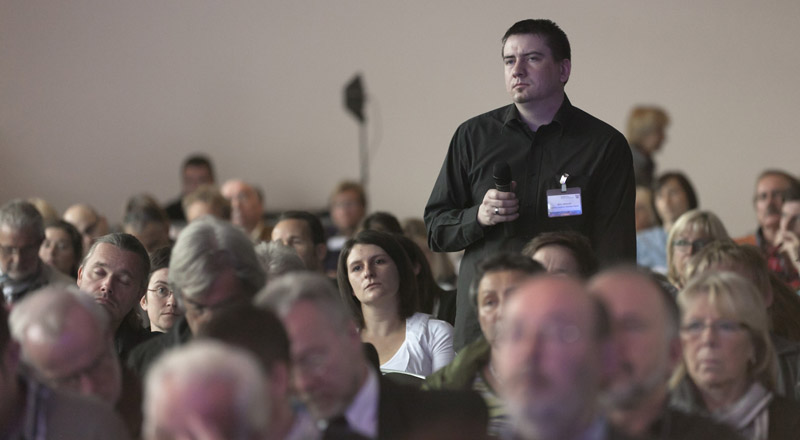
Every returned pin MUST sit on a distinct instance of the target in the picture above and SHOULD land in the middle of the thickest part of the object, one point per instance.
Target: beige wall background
(103, 99)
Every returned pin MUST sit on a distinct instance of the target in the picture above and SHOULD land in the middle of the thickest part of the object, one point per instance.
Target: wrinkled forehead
(546, 299)
(116, 259)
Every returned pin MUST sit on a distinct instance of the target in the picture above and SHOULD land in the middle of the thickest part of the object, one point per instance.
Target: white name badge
(562, 203)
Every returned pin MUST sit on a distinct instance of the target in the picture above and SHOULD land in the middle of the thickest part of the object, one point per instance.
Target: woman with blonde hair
(729, 363)
(691, 233)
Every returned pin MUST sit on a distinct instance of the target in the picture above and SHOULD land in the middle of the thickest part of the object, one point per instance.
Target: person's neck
(637, 419)
(667, 226)
(769, 235)
(538, 113)
(281, 421)
(721, 396)
(380, 321)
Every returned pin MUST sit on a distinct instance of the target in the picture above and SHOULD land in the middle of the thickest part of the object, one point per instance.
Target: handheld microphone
(501, 172)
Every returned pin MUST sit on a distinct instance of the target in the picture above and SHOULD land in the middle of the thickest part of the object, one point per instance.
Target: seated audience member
(21, 237)
(552, 354)
(646, 127)
(247, 208)
(443, 270)
(159, 302)
(645, 323)
(377, 281)
(62, 247)
(147, 221)
(66, 341)
(115, 273)
(277, 259)
(49, 214)
(786, 258)
(674, 195)
(496, 278)
(261, 333)
(304, 232)
(567, 252)
(645, 216)
(383, 222)
(771, 188)
(206, 200)
(206, 390)
(728, 369)
(348, 205)
(689, 235)
(196, 170)
(783, 305)
(332, 377)
(432, 299)
(88, 222)
(32, 410)
(212, 266)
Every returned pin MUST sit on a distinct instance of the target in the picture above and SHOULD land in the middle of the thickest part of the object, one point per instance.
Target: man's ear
(80, 275)
(565, 70)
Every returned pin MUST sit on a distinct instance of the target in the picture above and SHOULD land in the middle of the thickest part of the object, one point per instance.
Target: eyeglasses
(722, 327)
(695, 245)
(27, 250)
(161, 292)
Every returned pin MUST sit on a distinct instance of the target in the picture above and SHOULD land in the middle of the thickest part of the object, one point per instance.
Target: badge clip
(563, 182)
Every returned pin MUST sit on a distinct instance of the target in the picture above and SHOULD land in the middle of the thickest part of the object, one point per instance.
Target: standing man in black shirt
(571, 171)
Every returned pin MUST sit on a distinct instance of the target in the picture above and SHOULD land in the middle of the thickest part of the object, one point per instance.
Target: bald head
(87, 221)
(247, 207)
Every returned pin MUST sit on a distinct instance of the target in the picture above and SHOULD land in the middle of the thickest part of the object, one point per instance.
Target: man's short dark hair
(553, 36)
(254, 329)
(506, 261)
(313, 222)
(199, 160)
(126, 242)
(576, 243)
(382, 221)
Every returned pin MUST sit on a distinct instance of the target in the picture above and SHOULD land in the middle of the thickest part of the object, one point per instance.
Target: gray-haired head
(20, 214)
(283, 293)
(205, 249)
(206, 380)
(278, 259)
(47, 309)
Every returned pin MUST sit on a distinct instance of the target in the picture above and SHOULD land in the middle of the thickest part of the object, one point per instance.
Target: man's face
(82, 359)
(246, 207)
(89, 224)
(647, 352)
(328, 365)
(548, 360)
(492, 292)
(19, 252)
(346, 210)
(769, 199)
(790, 217)
(531, 73)
(194, 176)
(115, 278)
(297, 234)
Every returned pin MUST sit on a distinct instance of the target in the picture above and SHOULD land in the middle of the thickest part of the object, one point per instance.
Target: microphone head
(501, 173)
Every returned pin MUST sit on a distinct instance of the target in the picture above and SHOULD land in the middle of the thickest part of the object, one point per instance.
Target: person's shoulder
(690, 426)
(428, 322)
(74, 416)
(495, 116)
(784, 418)
(56, 277)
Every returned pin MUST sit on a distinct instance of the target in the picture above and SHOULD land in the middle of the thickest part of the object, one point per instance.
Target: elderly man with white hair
(206, 390)
(21, 269)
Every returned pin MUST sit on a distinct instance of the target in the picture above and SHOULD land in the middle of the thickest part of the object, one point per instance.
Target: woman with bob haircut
(377, 281)
(729, 369)
(690, 234)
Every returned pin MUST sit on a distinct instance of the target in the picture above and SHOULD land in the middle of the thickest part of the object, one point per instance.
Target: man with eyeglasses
(771, 188)
(66, 341)
(645, 325)
(554, 353)
(21, 269)
(213, 265)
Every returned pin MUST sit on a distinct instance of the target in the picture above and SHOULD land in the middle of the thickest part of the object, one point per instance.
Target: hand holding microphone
(500, 205)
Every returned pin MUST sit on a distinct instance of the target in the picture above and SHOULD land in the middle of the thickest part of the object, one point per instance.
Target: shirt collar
(362, 414)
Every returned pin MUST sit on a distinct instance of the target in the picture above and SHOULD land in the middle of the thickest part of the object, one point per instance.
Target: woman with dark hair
(432, 299)
(159, 301)
(376, 279)
(62, 247)
(673, 196)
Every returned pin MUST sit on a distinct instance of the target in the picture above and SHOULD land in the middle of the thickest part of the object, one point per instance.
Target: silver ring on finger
(496, 211)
